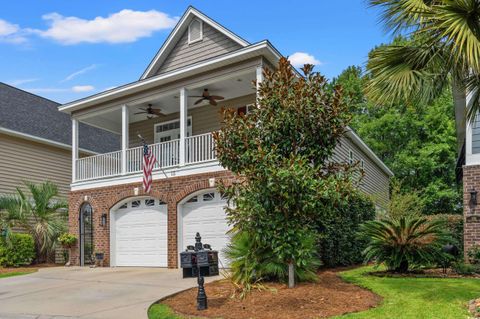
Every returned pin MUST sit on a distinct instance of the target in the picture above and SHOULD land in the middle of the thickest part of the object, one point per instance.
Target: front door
(86, 235)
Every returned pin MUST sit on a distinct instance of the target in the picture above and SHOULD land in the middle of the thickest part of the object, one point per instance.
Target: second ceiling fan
(150, 111)
(212, 99)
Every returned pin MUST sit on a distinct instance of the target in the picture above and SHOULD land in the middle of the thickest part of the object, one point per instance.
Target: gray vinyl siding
(214, 43)
(23, 160)
(476, 135)
(375, 182)
(204, 119)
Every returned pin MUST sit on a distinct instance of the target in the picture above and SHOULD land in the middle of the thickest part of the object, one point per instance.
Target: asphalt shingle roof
(28, 113)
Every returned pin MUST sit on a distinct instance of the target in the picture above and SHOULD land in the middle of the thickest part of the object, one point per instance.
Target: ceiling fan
(151, 112)
(212, 99)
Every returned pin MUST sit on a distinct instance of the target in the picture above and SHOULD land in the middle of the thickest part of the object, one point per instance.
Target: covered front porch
(178, 131)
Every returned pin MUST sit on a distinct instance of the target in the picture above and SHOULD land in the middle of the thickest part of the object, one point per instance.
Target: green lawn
(403, 298)
(159, 311)
(18, 273)
(419, 298)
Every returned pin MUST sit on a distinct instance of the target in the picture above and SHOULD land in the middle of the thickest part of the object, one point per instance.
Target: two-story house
(174, 106)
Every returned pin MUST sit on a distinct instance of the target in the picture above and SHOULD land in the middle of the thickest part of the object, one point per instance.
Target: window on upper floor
(195, 31)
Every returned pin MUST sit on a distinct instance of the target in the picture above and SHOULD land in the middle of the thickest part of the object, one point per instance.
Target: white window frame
(189, 127)
(201, 32)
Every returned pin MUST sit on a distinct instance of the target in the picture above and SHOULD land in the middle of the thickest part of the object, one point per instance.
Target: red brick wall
(171, 191)
(471, 214)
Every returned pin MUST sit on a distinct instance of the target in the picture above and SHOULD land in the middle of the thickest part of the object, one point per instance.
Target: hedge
(19, 252)
(338, 244)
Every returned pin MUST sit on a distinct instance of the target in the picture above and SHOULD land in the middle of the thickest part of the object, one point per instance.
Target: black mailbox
(201, 258)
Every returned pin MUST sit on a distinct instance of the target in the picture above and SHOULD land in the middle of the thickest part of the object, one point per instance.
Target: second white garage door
(141, 233)
(204, 213)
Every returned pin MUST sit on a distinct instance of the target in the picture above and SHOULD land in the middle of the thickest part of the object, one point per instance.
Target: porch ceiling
(233, 87)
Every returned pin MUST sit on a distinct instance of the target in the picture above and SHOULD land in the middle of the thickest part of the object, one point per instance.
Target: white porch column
(183, 123)
(124, 138)
(74, 148)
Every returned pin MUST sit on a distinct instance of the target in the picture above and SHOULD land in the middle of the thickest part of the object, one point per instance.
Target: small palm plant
(403, 243)
(42, 215)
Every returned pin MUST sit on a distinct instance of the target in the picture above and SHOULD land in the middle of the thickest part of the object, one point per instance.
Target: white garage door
(141, 233)
(204, 213)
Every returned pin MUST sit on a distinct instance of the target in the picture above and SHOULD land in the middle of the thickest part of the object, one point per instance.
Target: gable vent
(195, 31)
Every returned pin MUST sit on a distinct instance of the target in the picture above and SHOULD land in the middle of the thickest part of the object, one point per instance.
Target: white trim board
(207, 167)
(364, 147)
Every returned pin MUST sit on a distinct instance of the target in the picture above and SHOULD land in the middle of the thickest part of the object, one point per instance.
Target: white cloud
(21, 81)
(121, 27)
(298, 59)
(79, 72)
(83, 88)
(11, 33)
(75, 89)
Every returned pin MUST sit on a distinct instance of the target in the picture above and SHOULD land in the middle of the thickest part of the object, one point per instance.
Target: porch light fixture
(473, 197)
(103, 221)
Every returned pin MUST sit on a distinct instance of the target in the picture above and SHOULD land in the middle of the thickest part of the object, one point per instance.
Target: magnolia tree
(280, 154)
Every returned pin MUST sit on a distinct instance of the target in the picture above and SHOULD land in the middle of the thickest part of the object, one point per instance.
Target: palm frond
(398, 15)
(456, 25)
(412, 73)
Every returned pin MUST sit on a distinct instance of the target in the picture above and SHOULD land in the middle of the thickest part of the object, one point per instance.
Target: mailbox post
(199, 261)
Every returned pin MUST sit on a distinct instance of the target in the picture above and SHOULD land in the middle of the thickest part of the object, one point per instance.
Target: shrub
(474, 255)
(338, 243)
(453, 225)
(465, 269)
(251, 264)
(403, 243)
(19, 251)
(67, 240)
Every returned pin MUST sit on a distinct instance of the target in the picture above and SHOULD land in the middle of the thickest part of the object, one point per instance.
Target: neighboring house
(35, 141)
(468, 171)
(134, 229)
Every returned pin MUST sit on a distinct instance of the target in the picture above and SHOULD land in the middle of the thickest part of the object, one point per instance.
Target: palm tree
(444, 50)
(405, 242)
(42, 215)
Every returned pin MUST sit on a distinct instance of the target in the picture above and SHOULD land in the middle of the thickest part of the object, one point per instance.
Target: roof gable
(176, 52)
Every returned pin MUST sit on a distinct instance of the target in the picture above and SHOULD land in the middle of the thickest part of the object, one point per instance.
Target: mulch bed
(423, 273)
(328, 297)
(31, 268)
(474, 308)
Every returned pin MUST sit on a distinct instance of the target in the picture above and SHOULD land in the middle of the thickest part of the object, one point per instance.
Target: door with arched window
(86, 235)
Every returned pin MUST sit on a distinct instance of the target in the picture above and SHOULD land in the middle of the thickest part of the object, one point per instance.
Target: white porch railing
(103, 165)
(198, 149)
(166, 153)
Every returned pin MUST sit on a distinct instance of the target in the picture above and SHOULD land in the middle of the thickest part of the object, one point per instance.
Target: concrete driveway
(80, 292)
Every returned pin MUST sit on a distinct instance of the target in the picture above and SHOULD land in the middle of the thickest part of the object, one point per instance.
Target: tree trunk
(291, 275)
(403, 267)
(460, 105)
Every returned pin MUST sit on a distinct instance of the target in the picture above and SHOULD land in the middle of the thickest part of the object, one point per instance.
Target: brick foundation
(170, 191)
(471, 213)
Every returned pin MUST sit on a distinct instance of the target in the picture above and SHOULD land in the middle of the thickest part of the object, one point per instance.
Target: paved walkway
(88, 293)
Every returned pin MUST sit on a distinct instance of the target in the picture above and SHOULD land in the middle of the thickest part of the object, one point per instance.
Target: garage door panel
(208, 218)
(141, 236)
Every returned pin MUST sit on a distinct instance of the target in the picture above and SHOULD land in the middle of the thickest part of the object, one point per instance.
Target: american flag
(148, 163)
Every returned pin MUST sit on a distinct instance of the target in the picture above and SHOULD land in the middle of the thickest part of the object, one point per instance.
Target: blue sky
(65, 50)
